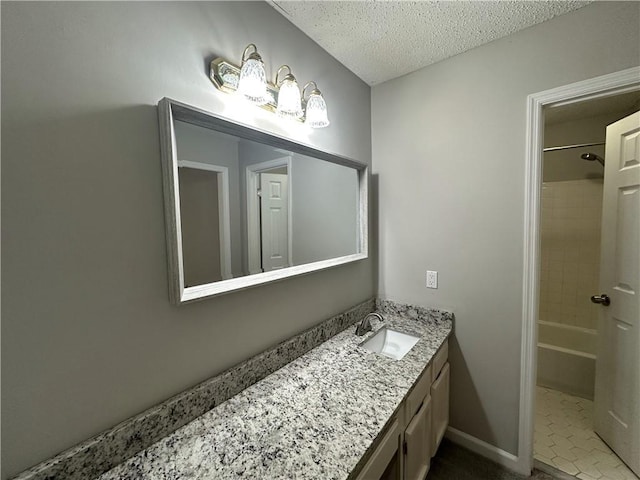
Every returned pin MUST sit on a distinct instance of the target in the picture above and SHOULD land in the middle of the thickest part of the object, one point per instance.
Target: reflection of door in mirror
(204, 216)
(268, 197)
(274, 220)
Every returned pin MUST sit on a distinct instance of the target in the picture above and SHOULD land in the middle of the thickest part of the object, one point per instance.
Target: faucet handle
(365, 325)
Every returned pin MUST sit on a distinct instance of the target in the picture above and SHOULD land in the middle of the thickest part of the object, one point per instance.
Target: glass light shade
(316, 111)
(253, 81)
(289, 103)
(231, 79)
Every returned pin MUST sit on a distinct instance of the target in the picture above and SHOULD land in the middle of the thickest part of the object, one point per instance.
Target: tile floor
(564, 438)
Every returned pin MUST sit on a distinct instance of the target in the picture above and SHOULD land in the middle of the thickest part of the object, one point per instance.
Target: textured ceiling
(381, 40)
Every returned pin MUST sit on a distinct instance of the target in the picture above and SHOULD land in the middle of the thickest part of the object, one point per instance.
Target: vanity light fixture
(282, 97)
(253, 78)
(316, 109)
(289, 101)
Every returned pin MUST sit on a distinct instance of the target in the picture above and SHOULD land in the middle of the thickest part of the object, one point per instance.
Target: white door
(617, 393)
(274, 215)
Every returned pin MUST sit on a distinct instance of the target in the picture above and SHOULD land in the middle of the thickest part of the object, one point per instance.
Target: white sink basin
(390, 343)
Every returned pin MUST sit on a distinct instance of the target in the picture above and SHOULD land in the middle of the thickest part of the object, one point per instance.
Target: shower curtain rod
(565, 147)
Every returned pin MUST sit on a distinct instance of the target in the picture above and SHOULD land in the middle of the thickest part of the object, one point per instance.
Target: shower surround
(569, 275)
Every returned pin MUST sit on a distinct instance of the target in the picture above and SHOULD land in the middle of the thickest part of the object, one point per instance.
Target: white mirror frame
(170, 111)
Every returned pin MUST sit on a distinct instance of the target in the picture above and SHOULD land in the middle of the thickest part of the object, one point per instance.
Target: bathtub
(566, 358)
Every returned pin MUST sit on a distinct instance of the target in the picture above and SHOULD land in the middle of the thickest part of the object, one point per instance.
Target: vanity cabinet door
(417, 443)
(440, 398)
(384, 463)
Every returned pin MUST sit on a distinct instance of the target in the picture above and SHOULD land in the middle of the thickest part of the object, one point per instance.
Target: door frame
(254, 241)
(224, 215)
(599, 87)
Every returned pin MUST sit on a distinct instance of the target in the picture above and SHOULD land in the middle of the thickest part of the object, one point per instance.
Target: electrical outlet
(432, 279)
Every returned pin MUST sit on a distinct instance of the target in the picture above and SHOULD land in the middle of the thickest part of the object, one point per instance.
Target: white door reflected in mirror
(268, 216)
(274, 220)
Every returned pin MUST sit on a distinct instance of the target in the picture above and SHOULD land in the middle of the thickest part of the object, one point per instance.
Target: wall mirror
(244, 207)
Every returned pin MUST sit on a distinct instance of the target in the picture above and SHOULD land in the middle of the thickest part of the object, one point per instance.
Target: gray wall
(88, 335)
(449, 143)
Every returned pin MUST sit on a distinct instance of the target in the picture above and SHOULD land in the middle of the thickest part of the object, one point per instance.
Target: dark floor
(456, 463)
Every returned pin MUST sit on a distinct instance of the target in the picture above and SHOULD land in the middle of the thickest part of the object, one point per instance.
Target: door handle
(602, 299)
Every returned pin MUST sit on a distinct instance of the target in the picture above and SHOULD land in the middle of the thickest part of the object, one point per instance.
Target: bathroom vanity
(319, 405)
(339, 411)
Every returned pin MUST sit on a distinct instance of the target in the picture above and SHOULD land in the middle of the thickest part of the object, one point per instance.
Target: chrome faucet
(365, 326)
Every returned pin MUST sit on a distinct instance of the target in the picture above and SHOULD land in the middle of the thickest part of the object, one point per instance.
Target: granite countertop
(314, 418)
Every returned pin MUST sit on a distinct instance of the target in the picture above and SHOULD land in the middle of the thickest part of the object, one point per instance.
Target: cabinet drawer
(439, 360)
(439, 407)
(418, 394)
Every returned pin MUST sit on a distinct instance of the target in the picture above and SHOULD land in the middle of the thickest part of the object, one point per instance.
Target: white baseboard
(493, 453)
